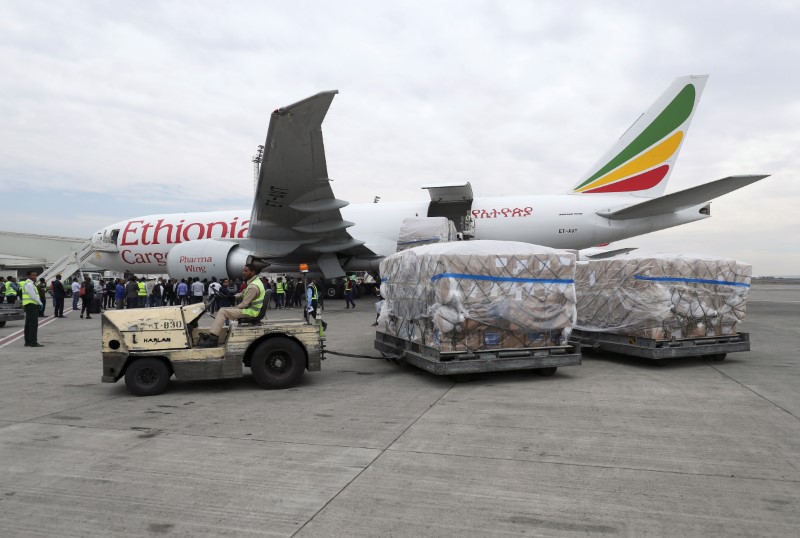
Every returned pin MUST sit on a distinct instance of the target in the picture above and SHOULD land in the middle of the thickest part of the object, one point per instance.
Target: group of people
(33, 296)
(252, 292)
(11, 291)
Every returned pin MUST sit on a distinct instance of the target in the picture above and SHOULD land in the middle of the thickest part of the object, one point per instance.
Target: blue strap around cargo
(430, 239)
(434, 278)
(690, 280)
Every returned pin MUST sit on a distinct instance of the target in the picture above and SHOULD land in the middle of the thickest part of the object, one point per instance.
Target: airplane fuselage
(141, 245)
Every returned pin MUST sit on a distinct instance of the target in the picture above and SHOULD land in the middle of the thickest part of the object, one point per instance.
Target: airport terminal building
(22, 252)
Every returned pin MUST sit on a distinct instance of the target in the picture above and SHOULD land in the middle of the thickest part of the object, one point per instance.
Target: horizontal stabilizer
(316, 206)
(680, 200)
(324, 227)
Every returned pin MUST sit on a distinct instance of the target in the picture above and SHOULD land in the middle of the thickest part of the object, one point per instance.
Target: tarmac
(615, 446)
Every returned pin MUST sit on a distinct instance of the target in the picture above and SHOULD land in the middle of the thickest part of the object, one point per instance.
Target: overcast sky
(110, 110)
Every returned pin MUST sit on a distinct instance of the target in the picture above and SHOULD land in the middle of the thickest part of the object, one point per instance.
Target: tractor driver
(251, 300)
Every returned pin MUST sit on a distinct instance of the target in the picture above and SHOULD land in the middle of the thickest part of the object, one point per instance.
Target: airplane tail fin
(641, 161)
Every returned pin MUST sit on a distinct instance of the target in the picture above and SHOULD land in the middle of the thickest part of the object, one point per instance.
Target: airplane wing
(680, 200)
(294, 212)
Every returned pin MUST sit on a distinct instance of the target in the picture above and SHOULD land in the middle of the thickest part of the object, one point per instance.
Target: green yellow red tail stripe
(645, 161)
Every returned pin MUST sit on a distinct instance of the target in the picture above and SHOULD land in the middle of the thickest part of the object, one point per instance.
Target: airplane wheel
(330, 293)
(278, 363)
(147, 377)
(2, 323)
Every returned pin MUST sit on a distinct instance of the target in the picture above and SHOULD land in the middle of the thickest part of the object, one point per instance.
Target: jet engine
(206, 258)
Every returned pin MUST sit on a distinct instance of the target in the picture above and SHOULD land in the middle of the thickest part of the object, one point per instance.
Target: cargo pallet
(714, 347)
(544, 359)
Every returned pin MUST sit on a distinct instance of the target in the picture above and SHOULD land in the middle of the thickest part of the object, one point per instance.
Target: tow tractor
(149, 345)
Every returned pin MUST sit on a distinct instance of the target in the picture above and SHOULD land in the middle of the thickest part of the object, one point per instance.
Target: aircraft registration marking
(275, 196)
(495, 213)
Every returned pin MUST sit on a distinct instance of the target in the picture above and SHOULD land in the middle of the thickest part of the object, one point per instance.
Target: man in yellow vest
(250, 303)
(312, 300)
(280, 293)
(142, 293)
(31, 304)
(11, 290)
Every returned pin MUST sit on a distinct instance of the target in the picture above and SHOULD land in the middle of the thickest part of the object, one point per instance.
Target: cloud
(517, 97)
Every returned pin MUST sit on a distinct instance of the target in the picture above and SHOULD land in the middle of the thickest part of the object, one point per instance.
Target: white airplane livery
(296, 219)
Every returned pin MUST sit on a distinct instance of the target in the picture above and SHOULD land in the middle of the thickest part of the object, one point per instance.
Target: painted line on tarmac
(13, 337)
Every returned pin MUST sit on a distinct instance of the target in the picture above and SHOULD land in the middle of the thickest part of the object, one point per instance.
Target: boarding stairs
(69, 264)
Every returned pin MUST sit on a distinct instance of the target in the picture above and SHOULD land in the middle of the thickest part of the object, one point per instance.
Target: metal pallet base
(468, 362)
(648, 348)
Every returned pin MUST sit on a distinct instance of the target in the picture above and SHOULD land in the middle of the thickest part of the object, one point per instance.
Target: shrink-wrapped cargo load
(415, 232)
(476, 295)
(662, 296)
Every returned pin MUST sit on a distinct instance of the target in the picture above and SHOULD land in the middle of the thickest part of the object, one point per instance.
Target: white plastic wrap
(473, 295)
(415, 232)
(662, 296)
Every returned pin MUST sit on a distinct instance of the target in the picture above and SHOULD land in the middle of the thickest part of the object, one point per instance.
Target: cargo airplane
(296, 219)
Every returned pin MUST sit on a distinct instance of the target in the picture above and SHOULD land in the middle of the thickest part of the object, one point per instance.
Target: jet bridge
(453, 201)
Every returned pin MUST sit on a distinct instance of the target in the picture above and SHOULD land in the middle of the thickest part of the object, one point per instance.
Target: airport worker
(158, 292)
(11, 290)
(183, 292)
(378, 305)
(41, 287)
(268, 290)
(31, 304)
(348, 292)
(197, 290)
(132, 292)
(142, 294)
(111, 291)
(148, 286)
(280, 293)
(213, 289)
(299, 291)
(76, 292)
(250, 302)
(227, 292)
(119, 294)
(312, 301)
(88, 296)
(2, 289)
(58, 297)
(323, 289)
(169, 292)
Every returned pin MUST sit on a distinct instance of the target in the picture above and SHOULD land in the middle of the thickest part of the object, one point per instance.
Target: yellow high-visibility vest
(313, 291)
(10, 291)
(27, 299)
(255, 307)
